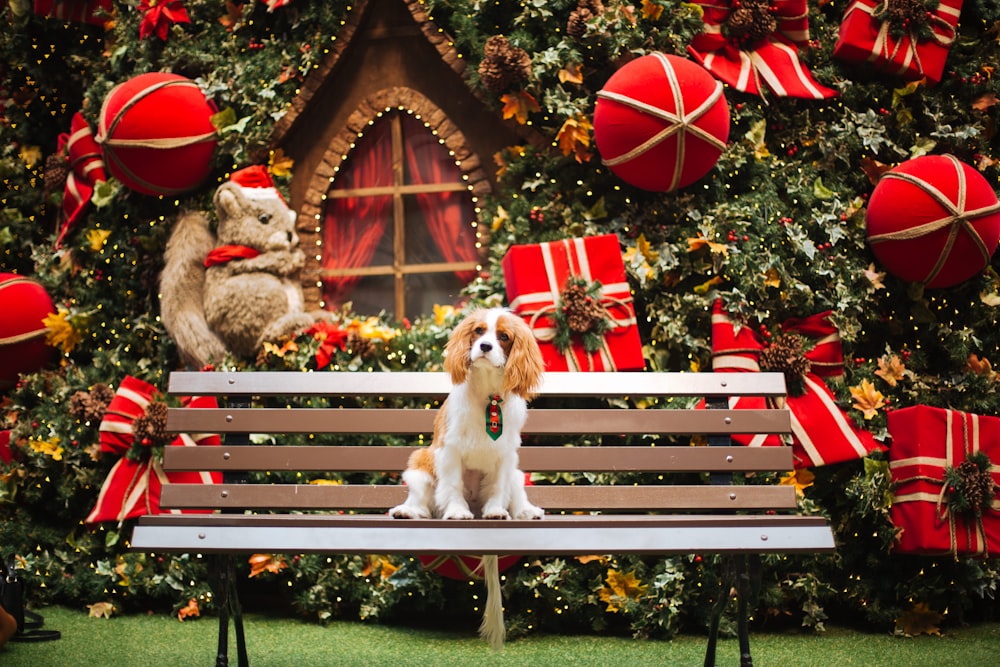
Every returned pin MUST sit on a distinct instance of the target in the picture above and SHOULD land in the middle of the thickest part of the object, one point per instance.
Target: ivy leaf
(104, 192)
(821, 191)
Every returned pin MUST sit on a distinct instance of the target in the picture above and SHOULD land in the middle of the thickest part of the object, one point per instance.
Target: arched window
(398, 226)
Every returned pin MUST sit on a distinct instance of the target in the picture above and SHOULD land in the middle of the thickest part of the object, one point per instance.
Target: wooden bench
(724, 515)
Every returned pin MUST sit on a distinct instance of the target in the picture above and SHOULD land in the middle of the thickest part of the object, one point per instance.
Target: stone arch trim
(311, 212)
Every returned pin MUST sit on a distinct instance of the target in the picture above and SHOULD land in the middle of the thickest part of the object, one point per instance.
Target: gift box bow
(132, 487)
(568, 276)
(86, 170)
(746, 42)
(821, 432)
(966, 491)
(899, 36)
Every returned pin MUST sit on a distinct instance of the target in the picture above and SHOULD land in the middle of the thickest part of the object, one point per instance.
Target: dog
(471, 466)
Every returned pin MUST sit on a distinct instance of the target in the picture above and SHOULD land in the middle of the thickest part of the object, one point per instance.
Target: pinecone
(503, 66)
(56, 171)
(576, 25)
(583, 312)
(975, 485)
(91, 405)
(359, 345)
(905, 13)
(751, 22)
(150, 429)
(784, 355)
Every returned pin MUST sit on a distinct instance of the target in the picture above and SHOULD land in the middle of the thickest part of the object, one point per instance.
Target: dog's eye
(503, 336)
(479, 331)
(265, 218)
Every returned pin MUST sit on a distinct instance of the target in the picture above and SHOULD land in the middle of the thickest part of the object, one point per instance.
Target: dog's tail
(492, 628)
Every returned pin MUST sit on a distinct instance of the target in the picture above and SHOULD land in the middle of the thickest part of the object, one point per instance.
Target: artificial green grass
(155, 641)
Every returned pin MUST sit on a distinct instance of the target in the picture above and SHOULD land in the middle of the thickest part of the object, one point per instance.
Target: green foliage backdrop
(776, 230)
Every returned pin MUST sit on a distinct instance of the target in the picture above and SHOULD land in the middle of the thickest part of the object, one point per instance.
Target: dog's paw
(530, 512)
(457, 514)
(409, 512)
(496, 514)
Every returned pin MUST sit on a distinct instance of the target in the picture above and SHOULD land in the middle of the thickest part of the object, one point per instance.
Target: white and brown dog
(471, 466)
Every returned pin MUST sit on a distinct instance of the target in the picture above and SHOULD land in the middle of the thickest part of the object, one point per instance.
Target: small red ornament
(933, 220)
(661, 122)
(157, 134)
(24, 304)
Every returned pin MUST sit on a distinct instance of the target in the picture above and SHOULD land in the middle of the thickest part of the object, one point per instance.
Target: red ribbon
(773, 61)
(228, 253)
(822, 433)
(86, 170)
(132, 488)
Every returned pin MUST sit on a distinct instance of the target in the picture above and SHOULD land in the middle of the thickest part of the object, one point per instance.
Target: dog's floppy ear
(458, 348)
(525, 366)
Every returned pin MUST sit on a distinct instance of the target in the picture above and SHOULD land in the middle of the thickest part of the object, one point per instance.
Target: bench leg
(741, 572)
(223, 574)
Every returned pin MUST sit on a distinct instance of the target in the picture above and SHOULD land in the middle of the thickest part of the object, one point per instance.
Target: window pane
(425, 290)
(373, 294)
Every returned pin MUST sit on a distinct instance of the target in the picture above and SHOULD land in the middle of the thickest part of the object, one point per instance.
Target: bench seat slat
(410, 421)
(532, 458)
(562, 535)
(308, 497)
(429, 384)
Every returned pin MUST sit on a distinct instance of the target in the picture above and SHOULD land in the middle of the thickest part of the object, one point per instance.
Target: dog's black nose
(486, 347)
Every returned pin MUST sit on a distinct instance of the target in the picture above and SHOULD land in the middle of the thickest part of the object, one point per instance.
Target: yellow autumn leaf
(698, 242)
(48, 448)
(920, 620)
(980, 366)
(772, 278)
(574, 138)
(61, 332)
(620, 588)
(30, 155)
(801, 479)
(867, 398)
(651, 10)
(261, 563)
(96, 238)
(891, 369)
(518, 105)
(874, 277)
(571, 74)
(189, 610)
(591, 558)
(443, 313)
(280, 164)
(101, 610)
(704, 287)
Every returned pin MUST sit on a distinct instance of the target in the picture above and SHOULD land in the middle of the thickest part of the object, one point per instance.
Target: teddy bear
(231, 291)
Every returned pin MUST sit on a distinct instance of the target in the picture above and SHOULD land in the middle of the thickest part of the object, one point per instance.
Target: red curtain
(353, 226)
(447, 214)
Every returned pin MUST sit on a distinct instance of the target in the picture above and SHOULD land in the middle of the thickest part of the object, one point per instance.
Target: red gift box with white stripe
(535, 275)
(926, 442)
(865, 37)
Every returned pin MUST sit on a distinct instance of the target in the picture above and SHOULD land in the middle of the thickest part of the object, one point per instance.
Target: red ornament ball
(24, 304)
(156, 133)
(933, 220)
(661, 122)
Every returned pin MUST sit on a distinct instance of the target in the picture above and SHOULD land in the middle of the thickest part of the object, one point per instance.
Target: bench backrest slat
(363, 497)
(533, 459)
(431, 384)
(412, 421)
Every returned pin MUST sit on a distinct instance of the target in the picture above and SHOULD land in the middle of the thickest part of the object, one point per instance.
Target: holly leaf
(821, 191)
(518, 105)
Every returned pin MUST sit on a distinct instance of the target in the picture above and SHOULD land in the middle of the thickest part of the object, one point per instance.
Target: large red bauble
(933, 220)
(661, 122)
(156, 133)
(24, 304)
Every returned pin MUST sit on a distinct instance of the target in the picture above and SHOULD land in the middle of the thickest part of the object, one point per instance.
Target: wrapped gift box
(926, 441)
(536, 275)
(865, 38)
